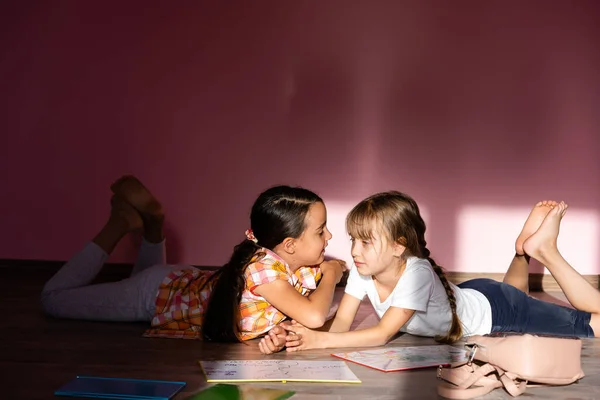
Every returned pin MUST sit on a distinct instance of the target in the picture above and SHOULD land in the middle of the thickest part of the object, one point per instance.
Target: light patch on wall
(486, 239)
(339, 246)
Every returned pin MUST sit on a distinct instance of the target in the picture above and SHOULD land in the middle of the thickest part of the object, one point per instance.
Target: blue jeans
(515, 311)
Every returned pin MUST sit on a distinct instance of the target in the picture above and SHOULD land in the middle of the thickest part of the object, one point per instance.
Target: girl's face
(310, 246)
(375, 255)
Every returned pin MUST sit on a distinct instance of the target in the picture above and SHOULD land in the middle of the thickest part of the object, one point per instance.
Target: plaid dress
(183, 296)
(257, 315)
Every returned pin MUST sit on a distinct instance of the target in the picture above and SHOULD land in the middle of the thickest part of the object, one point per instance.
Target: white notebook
(278, 370)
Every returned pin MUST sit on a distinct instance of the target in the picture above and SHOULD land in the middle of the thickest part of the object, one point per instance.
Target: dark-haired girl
(277, 271)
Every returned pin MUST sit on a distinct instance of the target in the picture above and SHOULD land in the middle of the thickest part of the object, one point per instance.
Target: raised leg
(77, 274)
(517, 274)
(122, 220)
(150, 254)
(79, 271)
(542, 246)
(68, 293)
(152, 249)
(83, 267)
(150, 210)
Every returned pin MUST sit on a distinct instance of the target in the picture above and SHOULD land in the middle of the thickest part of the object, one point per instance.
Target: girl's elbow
(313, 321)
(385, 337)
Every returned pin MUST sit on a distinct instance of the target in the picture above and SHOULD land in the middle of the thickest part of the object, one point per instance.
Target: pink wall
(469, 106)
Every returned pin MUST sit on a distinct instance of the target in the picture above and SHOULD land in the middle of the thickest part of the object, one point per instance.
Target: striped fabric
(183, 297)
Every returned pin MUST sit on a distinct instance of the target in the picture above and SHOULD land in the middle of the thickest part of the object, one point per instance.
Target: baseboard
(537, 282)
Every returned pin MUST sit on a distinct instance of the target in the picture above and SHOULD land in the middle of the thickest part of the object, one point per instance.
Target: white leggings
(68, 294)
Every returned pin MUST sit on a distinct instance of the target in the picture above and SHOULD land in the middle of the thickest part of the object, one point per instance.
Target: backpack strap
(470, 380)
(449, 391)
(508, 380)
(468, 375)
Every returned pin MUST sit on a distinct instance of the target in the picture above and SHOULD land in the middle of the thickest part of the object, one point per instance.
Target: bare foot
(135, 193)
(124, 214)
(122, 220)
(533, 222)
(542, 244)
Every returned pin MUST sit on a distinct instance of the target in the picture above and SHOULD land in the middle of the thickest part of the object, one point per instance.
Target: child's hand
(336, 267)
(300, 337)
(274, 340)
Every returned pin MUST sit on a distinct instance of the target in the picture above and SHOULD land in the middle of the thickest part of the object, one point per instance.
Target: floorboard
(39, 354)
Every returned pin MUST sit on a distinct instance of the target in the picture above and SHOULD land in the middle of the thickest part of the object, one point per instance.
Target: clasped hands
(292, 336)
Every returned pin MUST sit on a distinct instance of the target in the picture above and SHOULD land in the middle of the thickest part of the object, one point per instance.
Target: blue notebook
(119, 388)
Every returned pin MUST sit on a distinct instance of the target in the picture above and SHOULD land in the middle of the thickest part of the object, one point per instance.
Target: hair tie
(250, 236)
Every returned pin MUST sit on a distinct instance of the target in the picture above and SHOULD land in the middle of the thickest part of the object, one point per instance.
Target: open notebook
(400, 358)
(277, 370)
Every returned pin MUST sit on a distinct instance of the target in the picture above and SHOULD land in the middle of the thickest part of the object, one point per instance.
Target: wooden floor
(39, 354)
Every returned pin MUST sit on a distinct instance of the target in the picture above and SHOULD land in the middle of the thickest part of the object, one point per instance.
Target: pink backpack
(513, 361)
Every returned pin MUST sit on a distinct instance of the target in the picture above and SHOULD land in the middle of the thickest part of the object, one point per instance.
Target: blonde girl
(410, 292)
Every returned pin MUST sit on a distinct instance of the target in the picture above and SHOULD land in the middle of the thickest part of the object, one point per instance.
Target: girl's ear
(289, 245)
(399, 247)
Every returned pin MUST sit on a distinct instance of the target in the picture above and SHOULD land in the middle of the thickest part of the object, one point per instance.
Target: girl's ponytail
(455, 333)
(222, 316)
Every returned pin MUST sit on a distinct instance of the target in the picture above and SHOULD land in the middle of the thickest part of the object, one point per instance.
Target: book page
(277, 370)
(400, 358)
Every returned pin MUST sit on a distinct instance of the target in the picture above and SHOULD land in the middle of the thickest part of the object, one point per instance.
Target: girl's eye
(366, 242)
(321, 233)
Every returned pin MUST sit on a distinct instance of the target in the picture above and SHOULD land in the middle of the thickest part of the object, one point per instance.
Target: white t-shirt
(420, 289)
